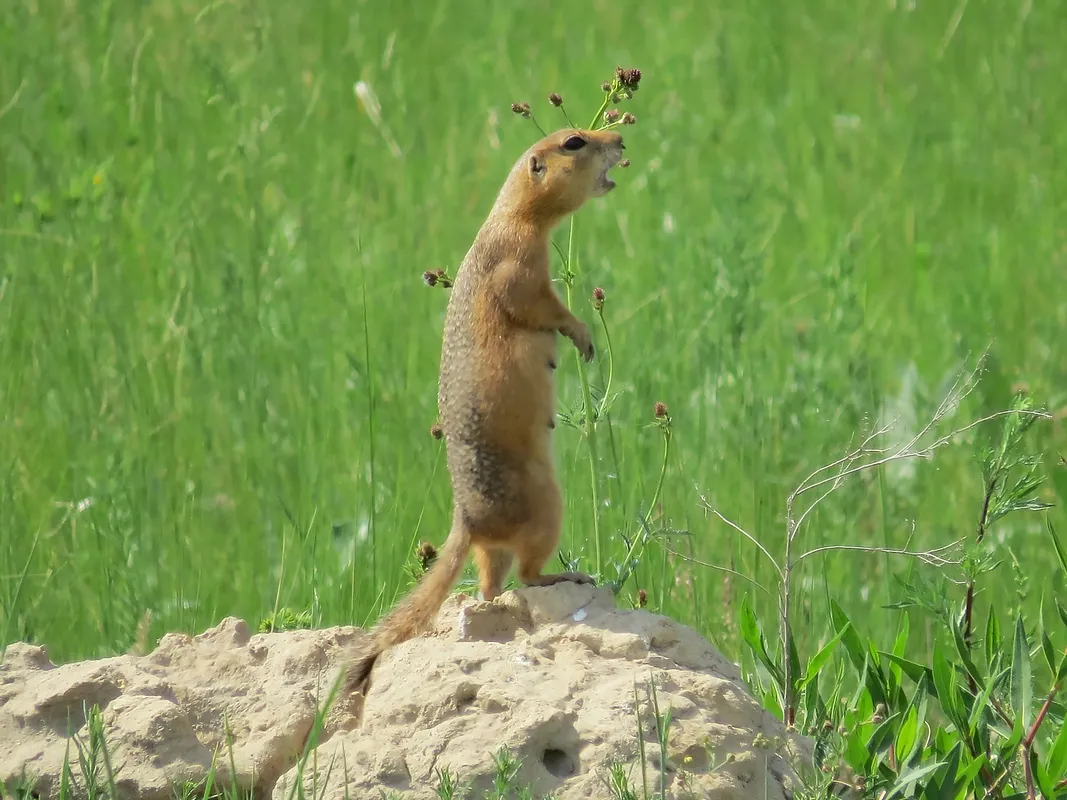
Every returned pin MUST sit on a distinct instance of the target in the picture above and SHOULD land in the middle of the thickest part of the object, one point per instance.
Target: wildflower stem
(662, 473)
(588, 410)
(591, 414)
(611, 365)
(603, 107)
(643, 537)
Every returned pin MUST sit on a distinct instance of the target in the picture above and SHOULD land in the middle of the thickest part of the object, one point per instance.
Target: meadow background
(218, 360)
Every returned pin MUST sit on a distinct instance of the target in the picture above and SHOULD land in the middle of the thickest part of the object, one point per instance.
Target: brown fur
(497, 388)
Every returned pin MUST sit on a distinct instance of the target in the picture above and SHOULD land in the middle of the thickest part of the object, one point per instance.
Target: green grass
(219, 361)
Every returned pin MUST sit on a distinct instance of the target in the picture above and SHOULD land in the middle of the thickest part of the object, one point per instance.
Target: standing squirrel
(497, 387)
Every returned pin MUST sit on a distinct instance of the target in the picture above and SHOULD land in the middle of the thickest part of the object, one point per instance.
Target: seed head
(628, 118)
(436, 431)
(642, 598)
(437, 277)
(521, 108)
(598, 298)
(611, 114)
(628, 77)
(660, 410)
(555, 99)
(427, 554)
(624, 163)
(606, 86)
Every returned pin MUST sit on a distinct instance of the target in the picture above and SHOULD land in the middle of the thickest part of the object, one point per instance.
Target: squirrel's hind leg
(493, 566)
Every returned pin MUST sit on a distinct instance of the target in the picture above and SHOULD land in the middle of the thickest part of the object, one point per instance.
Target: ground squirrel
(497, 387)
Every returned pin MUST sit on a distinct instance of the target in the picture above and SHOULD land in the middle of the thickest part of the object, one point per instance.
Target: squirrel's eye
(574, 143)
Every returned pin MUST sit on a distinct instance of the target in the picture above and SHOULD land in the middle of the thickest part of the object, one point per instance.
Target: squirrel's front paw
(582, 338)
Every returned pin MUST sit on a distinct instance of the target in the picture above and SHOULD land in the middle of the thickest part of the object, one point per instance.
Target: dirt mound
(551, 674)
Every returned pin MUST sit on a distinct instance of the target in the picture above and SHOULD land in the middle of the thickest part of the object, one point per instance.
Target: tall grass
(219, 363)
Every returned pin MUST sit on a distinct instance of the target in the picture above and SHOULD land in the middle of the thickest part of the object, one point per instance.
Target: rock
(551, 673)
(165, 714)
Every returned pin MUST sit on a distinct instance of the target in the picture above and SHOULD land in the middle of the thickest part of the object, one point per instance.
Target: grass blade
(1021, 679)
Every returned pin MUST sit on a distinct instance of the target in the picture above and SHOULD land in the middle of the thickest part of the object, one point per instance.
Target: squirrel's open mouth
(604, 182)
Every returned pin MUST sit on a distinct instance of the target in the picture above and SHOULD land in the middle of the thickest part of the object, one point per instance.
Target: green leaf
(919, 591)
(812, 704)
(944, 738)
(772, 701)
(1048, 650)
(1044, 780)
(945, 789)
(1056, 763)
(1022, 690)
(912, 669)
(859, 654)
(1061, 672)
(945, 681)
(752, 633)
(992, 637)
(968, 773)
(908, 734)
(849, 637)
(794, 660)
(921, 699)
(858, 753)
(1010, 746)
(1061, 554)
(964, 653)
(912, 776)
(1000, 678)
(861, 704)
(916, 715)
(982, 705)
(882, 737)
(895, 672)
(861, 698)
(1061, 611)
(1018, 498)
(819, 660)
(901, 642)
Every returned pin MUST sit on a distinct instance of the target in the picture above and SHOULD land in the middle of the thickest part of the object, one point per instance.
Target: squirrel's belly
(520, 402)
(532, 373)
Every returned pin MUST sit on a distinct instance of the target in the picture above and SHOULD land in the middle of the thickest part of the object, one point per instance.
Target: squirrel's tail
(415, 612)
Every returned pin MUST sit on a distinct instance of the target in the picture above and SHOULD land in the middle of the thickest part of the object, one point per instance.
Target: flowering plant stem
(621, 87)
(588, 412)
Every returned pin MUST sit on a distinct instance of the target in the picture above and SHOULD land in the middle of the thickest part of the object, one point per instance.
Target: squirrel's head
(565, 169)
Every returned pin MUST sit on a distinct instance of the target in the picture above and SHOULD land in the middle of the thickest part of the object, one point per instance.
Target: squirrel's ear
(537, 166)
